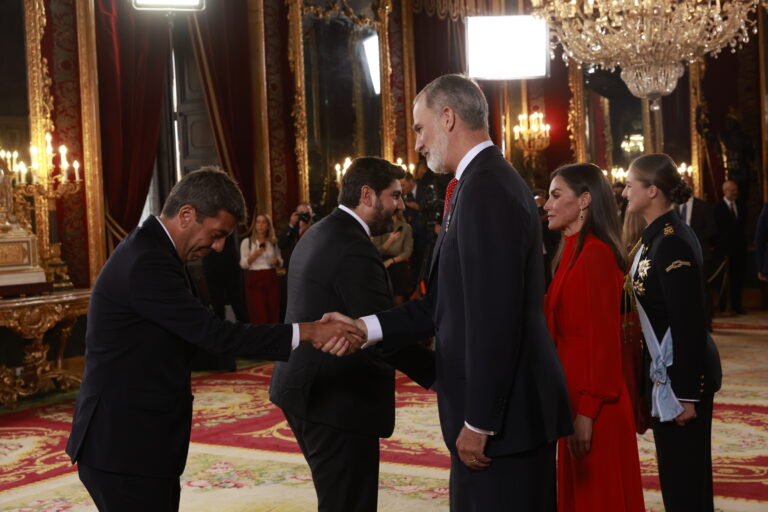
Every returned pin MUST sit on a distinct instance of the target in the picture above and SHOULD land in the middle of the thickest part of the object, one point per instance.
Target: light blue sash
(664, 403)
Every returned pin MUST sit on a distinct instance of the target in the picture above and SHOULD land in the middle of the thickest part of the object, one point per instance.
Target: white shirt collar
(357, 218)
(166, 231)
(471, 154)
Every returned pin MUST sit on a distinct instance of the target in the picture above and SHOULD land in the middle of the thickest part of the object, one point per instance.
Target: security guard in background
(681, 361)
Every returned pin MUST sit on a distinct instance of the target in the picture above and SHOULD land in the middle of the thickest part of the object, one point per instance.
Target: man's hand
(470, 446)
(688, 414)
(332, 336)
(580, 442)
(338, 317)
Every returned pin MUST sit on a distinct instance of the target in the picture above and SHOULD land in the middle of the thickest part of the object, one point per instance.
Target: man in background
(338, 408)
(732, 244)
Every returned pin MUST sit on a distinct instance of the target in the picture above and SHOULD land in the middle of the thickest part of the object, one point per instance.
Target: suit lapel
(452, 206)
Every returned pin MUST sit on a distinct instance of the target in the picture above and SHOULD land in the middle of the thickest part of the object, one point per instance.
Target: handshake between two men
(335, 334)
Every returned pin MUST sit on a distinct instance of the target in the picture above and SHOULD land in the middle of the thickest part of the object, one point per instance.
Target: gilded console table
(31, 318)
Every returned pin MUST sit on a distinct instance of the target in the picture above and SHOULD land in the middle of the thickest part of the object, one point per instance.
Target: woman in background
(260, 258)
(395, 249)
(683, 364)
(598, 466)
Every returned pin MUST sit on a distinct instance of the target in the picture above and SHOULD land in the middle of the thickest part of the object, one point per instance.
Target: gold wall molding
(577, 121)
(454, 9)
(409, 79)
(260, 110)
(89, 112)
(695, 94)
(605, 107)
(40, 105)
(296, 11)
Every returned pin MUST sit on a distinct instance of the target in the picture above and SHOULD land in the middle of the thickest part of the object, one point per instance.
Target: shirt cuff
(479, 430)
(296, 337)
(373, 326)
(687, 400)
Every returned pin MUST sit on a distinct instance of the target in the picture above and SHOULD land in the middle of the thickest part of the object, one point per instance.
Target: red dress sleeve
(593, 311)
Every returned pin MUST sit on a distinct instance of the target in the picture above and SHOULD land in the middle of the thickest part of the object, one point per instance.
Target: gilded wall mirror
(610, 127)
(27, 103)
(14, 100)
(343, 106)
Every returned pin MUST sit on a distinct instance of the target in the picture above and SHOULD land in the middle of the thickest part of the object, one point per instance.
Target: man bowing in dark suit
(131, 428)
(501, 390)
(338, 408)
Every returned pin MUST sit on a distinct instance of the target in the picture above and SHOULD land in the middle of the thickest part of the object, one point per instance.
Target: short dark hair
(374, 172)
(408, 176)
(462, 95)
(208, 190)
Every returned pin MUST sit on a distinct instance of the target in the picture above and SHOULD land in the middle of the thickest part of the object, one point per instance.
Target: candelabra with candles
(531, 137)
(41, 183)
(618, 175)
(686, 171)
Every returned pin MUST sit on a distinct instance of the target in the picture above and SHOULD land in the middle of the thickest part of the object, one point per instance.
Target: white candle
(76, 165)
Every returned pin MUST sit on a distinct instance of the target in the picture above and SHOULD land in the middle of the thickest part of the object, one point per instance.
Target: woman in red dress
(598, 466)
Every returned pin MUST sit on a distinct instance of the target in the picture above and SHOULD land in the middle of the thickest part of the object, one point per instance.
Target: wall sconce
(633, 143)
(618, 175)
(685, 170)
(341, 169)
(531, 137)
(43, 185)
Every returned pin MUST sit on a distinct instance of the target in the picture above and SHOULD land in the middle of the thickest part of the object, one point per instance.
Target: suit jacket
(497, 367)
(761, 239)
(731, 238)
(134, 411)
(335, 267)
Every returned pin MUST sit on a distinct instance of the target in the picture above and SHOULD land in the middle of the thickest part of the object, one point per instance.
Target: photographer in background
(395, 248)
(301, 220)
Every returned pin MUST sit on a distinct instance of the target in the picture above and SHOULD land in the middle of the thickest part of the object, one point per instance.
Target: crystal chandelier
(531, 137)
(650, 40)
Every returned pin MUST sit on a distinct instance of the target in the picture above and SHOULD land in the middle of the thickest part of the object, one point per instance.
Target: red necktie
(449, 193)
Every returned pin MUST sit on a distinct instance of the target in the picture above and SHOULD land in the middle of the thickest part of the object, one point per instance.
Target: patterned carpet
(244, 458)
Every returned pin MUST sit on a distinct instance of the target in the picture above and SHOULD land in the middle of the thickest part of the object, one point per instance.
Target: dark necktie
(683, 212)
(733, 209)
(449, 193)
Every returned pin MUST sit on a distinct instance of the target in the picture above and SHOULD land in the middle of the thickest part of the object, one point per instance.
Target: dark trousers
(524, 481)
(735, 283)
(685, 461)
(344, 464)
(115, 492)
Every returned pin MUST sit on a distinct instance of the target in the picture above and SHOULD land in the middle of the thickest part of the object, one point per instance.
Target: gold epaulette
(678, 264)
(669, 229)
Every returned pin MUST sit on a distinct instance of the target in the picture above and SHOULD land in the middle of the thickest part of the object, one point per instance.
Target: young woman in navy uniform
(682, 367)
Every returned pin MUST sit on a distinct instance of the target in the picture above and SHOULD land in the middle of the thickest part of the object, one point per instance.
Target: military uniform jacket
(668, 283)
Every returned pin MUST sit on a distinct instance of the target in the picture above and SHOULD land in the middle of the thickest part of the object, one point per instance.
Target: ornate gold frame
(40, 119)
(89, 112)
(296, 10)
(40, 103)
(652, 125)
